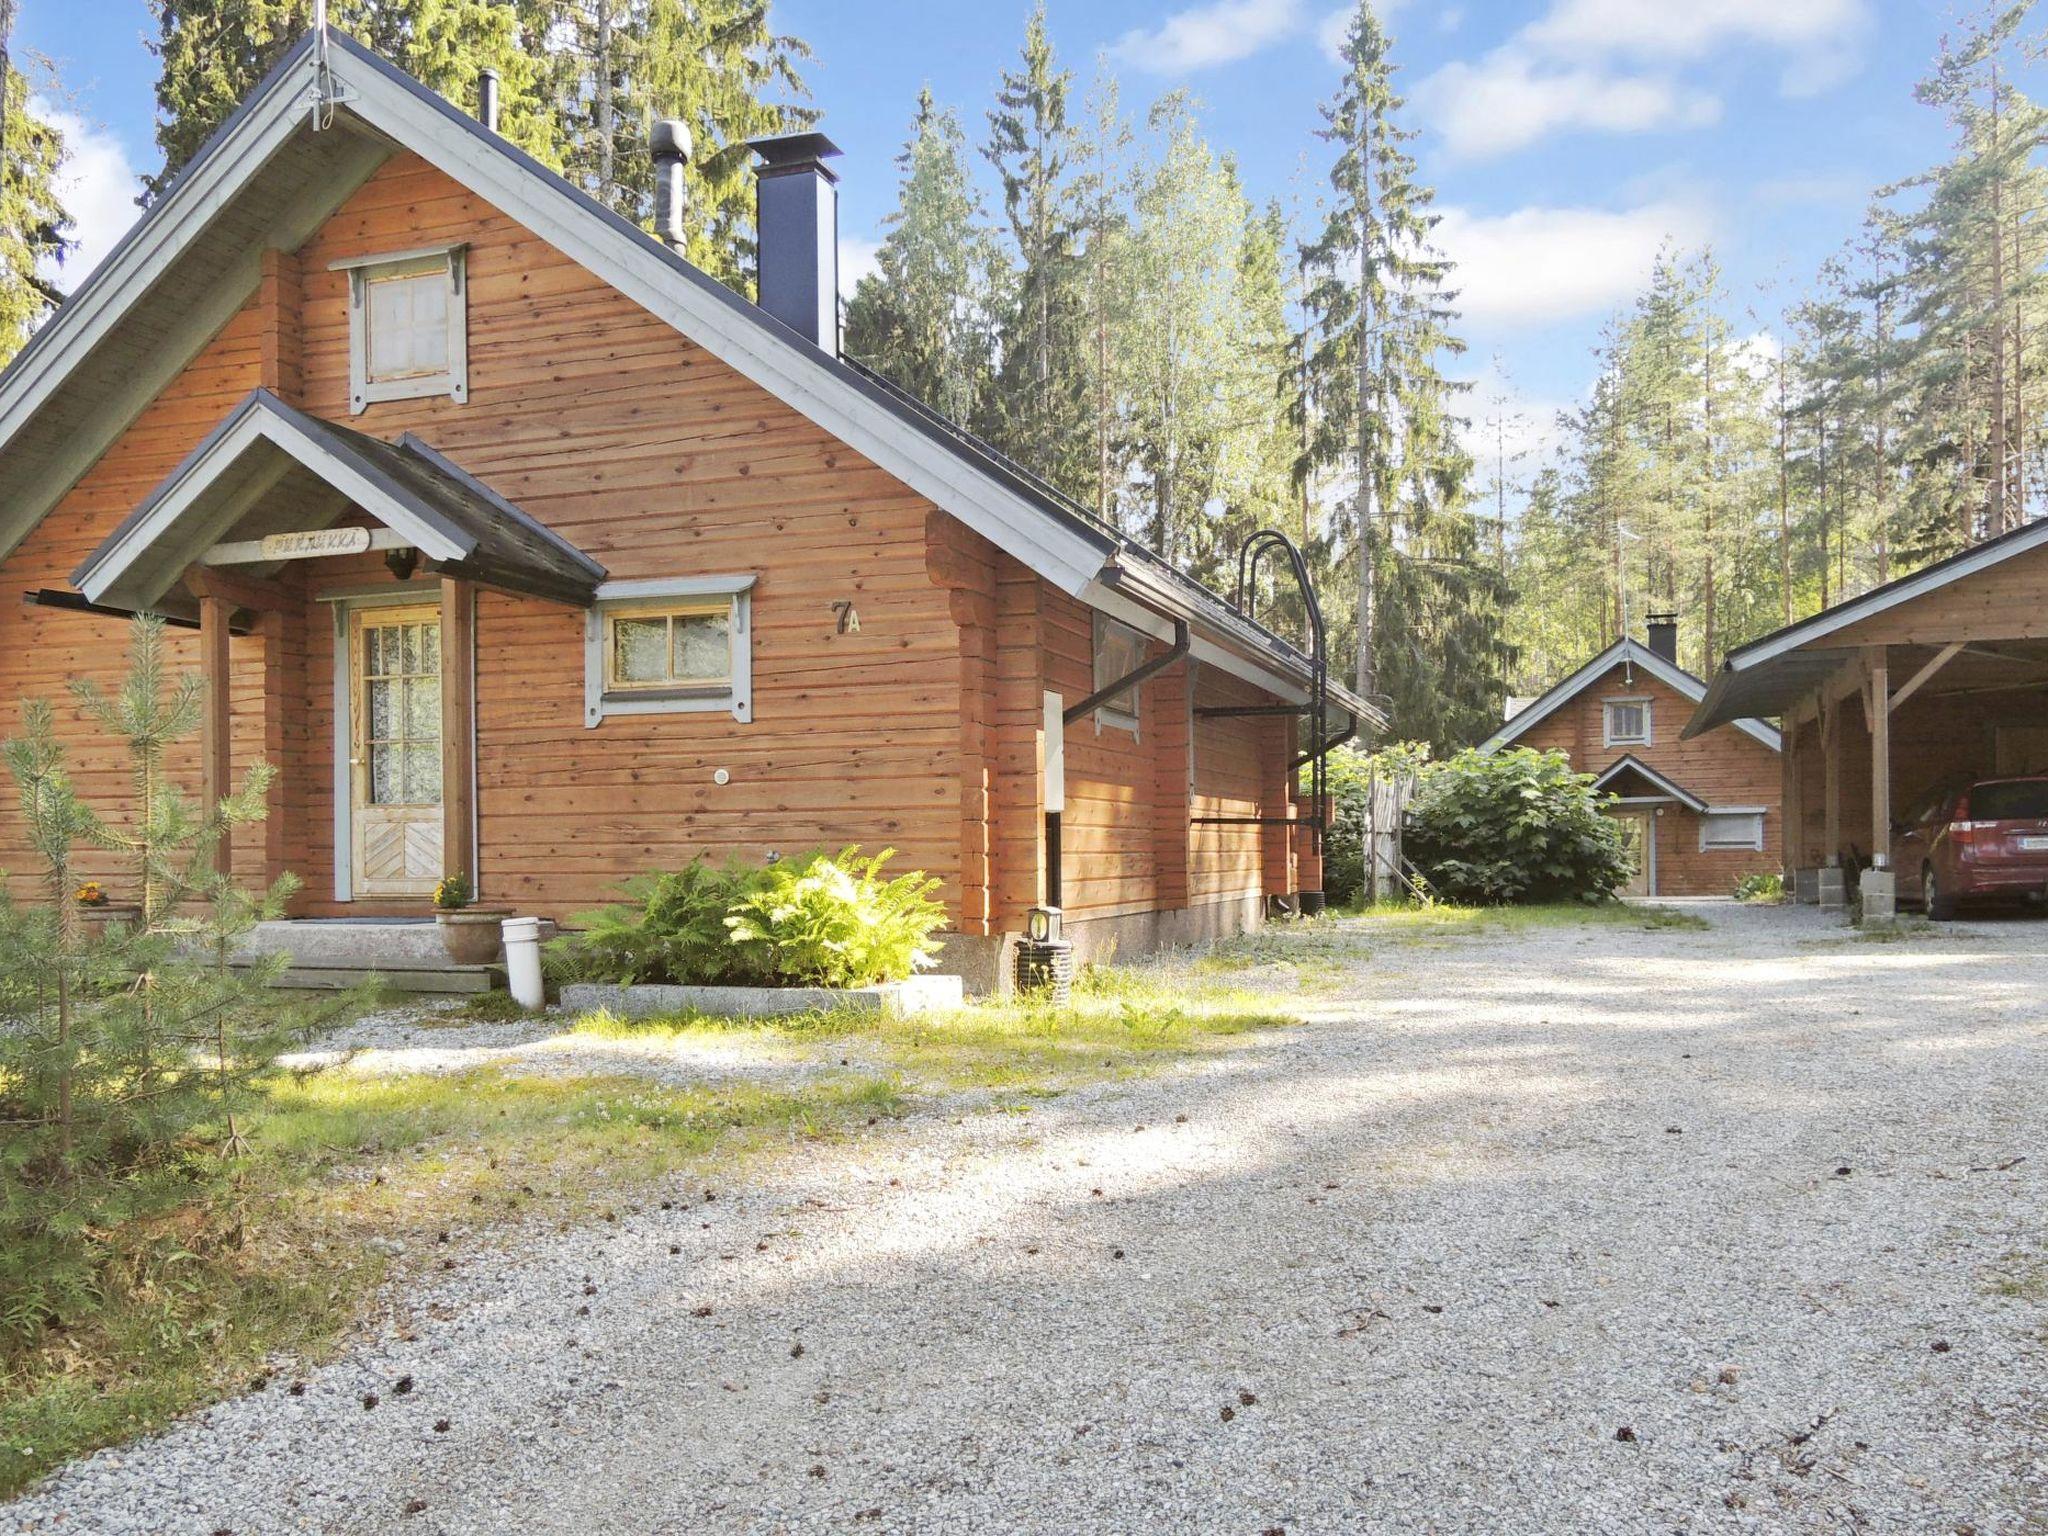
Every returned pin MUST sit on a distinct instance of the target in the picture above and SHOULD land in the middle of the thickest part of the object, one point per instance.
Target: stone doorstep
(446, 979)
(920, 994)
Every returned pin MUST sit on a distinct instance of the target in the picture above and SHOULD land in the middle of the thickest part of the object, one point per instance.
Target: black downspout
(1054, 875)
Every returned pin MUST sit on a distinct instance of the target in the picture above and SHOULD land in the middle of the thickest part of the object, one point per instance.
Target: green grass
(287, 1260)
(1120, 1021)
(1444, 921)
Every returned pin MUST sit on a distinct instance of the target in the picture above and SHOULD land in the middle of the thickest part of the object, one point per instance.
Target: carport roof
(1771, 675)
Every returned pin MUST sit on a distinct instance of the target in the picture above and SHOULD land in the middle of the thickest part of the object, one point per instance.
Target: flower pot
(472, 934)
(109, 919)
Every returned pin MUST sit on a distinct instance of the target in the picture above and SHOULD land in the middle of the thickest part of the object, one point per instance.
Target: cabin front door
(395, 750)
(1638, 830)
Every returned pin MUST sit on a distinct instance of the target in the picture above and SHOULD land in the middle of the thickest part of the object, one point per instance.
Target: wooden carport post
(1833, 890)
(1880, 891)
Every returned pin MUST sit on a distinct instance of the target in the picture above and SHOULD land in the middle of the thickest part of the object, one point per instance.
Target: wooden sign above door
(314, 542)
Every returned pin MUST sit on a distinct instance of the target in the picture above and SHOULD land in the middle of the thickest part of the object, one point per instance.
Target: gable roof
(264, 444)
(1628, 763)
(1746, 678)
(1634, 653)
(276, 168)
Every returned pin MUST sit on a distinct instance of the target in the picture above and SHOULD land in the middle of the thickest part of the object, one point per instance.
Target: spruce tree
(1040, 402)
(33, 223)
(925, 317)
(1371, 269)
(212, 53)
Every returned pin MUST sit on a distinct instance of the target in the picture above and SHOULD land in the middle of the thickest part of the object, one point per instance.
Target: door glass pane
(423, 775)
(702, 649)
(386, 773)
(383, 693)
(640, 650)
(423, 710)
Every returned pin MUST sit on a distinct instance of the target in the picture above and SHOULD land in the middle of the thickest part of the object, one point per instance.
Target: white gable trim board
(1634, 654)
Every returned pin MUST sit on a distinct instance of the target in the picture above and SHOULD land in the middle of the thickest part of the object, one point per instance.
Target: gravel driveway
(1589, 1229)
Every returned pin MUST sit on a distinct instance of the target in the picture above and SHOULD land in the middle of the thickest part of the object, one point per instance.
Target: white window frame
(625, 598)
(1754, 843)
(1106, 715)
(1607, 736)
(453, 261)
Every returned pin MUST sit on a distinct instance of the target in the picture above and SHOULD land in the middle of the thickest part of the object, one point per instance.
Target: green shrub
(672, 928)
(1760, 888)
(836, 922)
(1515, 827)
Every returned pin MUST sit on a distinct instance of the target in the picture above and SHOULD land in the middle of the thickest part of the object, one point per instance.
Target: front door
(395, 754)
(1636, 830)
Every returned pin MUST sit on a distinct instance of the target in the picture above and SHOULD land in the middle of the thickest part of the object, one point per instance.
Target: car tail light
(1965, 834)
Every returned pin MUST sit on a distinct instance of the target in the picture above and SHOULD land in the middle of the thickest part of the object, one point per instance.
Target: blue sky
(1565, 138)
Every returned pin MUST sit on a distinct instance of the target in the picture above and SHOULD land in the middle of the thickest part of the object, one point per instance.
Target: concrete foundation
(987, 963)
(1832, 889)
(1806, 886)
(1879, 888)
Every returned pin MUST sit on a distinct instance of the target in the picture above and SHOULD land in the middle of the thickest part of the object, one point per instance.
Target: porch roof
(270, 468)
(1661, 787)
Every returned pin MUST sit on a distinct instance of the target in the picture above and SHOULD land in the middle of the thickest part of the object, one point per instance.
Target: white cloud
(1206, 35)
(1508, 100)
(1536, 266)
(1693, 29)
(97, 185)
(1611, 66)
(857, 259)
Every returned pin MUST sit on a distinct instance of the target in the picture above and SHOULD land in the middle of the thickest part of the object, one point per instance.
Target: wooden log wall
(922, 730)
(1723, 767)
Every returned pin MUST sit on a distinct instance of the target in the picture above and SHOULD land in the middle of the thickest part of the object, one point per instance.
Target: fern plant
(671, 928)
(837, 921)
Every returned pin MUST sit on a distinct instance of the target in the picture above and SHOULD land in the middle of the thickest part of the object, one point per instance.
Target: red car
(1985, 838)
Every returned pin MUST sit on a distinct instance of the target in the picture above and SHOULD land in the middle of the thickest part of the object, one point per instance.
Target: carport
(1884, 697)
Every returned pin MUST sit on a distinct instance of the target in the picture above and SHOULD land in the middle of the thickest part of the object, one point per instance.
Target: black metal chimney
(670, 146)
(487, 99)
(1664, 635)
(797, 210)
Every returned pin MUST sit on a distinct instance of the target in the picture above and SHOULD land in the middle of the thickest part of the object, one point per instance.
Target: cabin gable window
(1625, 722)
(677, 646)
(1119, 651)
(1740, 826)
(408, 326)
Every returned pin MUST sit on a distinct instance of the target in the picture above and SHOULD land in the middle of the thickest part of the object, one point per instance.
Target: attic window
(408, 326)
(1627, 722)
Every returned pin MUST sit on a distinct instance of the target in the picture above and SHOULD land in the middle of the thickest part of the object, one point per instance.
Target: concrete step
(447, 979)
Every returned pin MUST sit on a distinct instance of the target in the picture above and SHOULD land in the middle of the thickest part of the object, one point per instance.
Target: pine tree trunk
(1784, 496)
(605, 113)
(1368, 676)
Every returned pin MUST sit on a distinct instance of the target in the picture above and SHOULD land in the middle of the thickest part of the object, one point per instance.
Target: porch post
(458, 710)
(1789, 817)
(1833, 891)
(216, 770)
(1880, 891)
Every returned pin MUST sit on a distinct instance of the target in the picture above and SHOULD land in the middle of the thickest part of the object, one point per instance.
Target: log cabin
(526, 551)
(1698, 814)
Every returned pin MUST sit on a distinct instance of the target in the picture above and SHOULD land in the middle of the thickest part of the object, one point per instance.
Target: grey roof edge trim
(512, 511)
(1628, 762)
(1635, 652)
(1967, 562)
(185, 201)
(290, 431)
